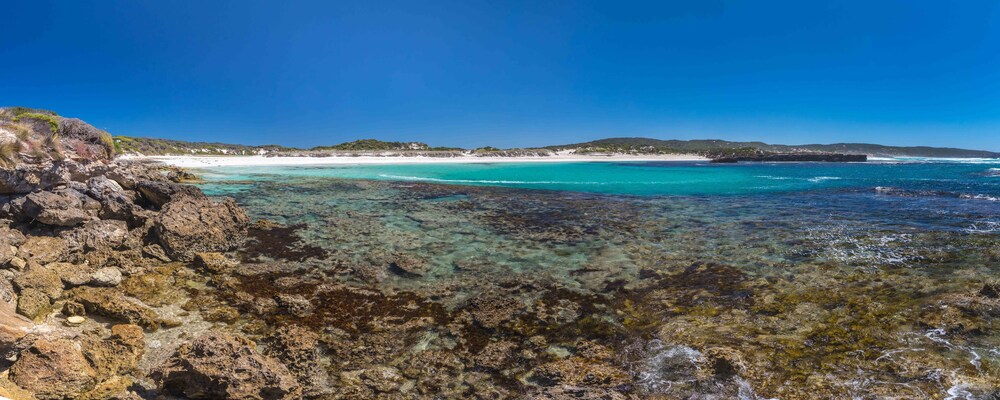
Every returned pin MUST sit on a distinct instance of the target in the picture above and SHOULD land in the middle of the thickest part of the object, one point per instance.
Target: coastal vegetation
(634, 146)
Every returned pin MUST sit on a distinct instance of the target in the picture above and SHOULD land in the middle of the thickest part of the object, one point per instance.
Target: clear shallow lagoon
(971, 178)
(751, 280)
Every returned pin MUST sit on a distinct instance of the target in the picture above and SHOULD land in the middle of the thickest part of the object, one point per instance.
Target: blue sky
(473, 73)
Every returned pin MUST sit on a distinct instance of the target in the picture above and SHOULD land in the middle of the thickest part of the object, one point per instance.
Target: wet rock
(53, 369)
(113, 304)
(492, 309)
(990, 291)
(65, 207)
(219, 365)
(370, 273)
(43, 249)
(298, 349)
(294, 304)
(408, 265)
(577, 371)
(496, 355)
(382, 379)
(567, 392)
(159, 193)
(192, 225)
(214, 262)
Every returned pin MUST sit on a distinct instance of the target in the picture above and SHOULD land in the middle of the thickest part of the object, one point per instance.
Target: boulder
(108, 276)
(219, 365)
(53, 369)
(113, 304)
(43, 279)
(62, 207)
(118, 354)
(97, 235)
(29, 178)
(191, 225)
(43, 249)
(116, 203)
(9, 240)
(33, 304)
(160, 193)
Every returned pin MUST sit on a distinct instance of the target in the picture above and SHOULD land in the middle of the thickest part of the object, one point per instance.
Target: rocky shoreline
(118, 280)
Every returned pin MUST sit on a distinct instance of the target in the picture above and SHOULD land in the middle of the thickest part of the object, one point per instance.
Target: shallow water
(749, 280)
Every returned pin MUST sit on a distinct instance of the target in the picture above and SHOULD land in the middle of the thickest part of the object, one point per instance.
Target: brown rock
(42, 279)
(408, 265)
(64, 207)
(53, 369)
(214, 262)
(492, 309)
(97, 235)
(112, 303)
(576, 371)
(43, 249)
(192, 225)
(298, 349)
(218, 365)
(159, 193)
(33, 304)
(72, 308)
(118, 354)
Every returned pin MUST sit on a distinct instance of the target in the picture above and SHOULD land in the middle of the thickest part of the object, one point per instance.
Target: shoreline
(250, 161)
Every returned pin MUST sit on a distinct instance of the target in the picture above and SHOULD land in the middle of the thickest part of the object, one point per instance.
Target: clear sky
(472, 73)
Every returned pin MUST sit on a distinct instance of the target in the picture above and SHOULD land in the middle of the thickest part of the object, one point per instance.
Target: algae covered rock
(53, 369)
(219, 365)
(192, 225)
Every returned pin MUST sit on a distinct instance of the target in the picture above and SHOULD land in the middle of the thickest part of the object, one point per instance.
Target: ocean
(798, 280)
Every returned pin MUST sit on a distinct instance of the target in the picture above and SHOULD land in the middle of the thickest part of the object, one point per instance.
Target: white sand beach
(234, 161)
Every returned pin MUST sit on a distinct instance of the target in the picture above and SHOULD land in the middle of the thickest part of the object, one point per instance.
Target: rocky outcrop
(113, 304)
(219, 365)
(191, 225)
(53, 369)
(28, 178)
(64, 207)
(159, 193)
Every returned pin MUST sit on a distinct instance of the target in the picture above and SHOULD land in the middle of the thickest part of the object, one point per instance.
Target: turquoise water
(978, 179)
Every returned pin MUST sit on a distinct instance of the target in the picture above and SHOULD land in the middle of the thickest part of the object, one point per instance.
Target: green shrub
(51, 119)
(108, 142)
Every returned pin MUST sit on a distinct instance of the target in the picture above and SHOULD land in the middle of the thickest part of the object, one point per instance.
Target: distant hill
(153, 146)
(712, 148)
(372, 144)
(627, 145)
